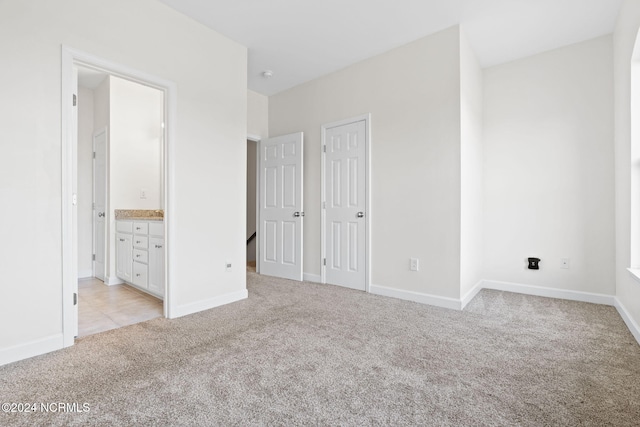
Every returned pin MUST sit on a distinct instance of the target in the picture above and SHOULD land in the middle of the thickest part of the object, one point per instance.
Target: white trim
(470, 295)
(112, 280)
(635, 273)
(549, 292)
(438, 301)
(315, 278)
(195, 307)
(85, 274)
(368, 213)
(254, 137)
(71, 57)
(31, 349)
(634, 328)
(69, 226)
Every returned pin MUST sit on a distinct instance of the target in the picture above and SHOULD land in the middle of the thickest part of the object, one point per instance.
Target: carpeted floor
(308, 354)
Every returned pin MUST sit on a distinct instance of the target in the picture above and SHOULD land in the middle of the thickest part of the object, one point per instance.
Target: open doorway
(154, 246)
(120, 166)
(252, 157)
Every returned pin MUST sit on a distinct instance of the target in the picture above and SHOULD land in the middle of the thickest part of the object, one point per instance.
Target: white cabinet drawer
(141, 242)
(140, 255)
(156, 228)
(140, 273)
(141, 227)
(124, 226)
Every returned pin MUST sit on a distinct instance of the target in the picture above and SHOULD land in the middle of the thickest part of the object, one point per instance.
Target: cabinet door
(156, 266)
(140, 274)
(124, 248)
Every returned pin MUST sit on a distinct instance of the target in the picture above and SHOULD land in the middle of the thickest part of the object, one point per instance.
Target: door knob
(360, 214)
(100, 214)
(298, 214)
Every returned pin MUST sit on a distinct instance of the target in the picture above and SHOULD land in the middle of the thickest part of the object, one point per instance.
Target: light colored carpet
(308, 354)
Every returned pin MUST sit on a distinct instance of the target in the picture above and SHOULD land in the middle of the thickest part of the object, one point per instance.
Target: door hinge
(93, 257)
(93, 205)
(324, 261)
(75, 100)
(324, 147)
(324, 205)
(94, 154)
(75, 298)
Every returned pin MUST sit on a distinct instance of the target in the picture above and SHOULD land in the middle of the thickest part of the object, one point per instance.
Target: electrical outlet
(414, 264)
(564, 263)
(143, 193)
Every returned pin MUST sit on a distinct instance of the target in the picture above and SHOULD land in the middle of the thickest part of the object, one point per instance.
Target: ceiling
(300, 40)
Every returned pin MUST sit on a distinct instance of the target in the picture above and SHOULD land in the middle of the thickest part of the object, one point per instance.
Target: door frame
(323, 195)
(104, 130)
(69, 58)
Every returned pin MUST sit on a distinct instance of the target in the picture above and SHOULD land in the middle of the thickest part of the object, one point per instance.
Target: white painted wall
(257, 115)
(210, 152)
(85, 182)
(549, 168)
(135, 151)
(413, 95)
(627, 289)
(471, 164)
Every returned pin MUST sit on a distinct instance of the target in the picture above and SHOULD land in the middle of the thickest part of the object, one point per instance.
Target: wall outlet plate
(228, 266)
(414, 264)
(565, 263)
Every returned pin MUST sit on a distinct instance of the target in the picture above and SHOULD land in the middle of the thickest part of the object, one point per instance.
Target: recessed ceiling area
(302, 40)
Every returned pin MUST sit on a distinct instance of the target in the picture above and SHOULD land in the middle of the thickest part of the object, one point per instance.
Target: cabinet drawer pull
(137, 255)
(137, 274)
(122, 240)
(138, 228)
(158, 246)
(137, 241)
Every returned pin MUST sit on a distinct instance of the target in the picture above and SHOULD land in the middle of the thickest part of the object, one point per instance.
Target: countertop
(139, 214)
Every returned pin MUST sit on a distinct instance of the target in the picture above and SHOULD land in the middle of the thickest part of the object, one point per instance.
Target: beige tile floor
(102, 307)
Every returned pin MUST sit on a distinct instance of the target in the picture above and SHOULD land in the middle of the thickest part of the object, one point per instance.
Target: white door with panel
(345, 205)
(99, 202)
(281, 212)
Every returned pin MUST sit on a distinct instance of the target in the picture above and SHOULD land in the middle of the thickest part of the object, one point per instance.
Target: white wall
(471, 164)
(209, 153)
(413, 95)
(85, 182)
(136, 114)
(257, 115)
(549, 168)
(627, 289)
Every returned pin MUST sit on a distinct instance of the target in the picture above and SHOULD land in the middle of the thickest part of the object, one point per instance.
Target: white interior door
(281, 213)
(345, 205)
(99, 202)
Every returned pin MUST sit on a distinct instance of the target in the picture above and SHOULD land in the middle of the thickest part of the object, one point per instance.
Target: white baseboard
(84, 274)
(470, 295)
(315, 278)
(112, 280)
(437, 301)
(186, 309)
(31, 349)
(549, 292)
(628, 320)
